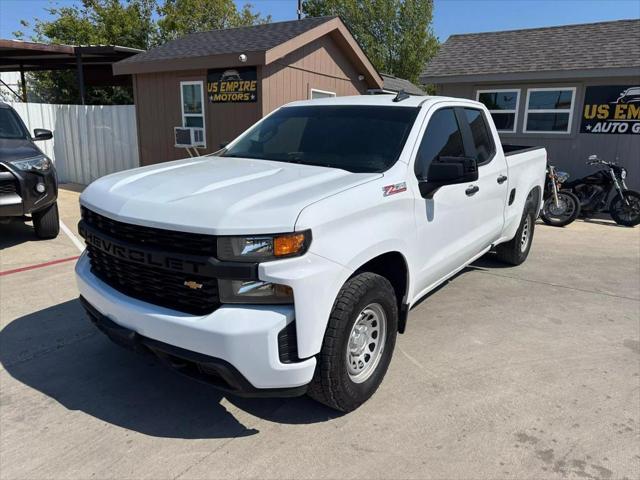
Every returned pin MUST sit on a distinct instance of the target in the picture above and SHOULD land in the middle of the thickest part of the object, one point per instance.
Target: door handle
(472, 190)
(502, 179)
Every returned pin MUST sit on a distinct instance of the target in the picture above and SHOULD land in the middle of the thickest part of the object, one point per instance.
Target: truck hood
(217, 195)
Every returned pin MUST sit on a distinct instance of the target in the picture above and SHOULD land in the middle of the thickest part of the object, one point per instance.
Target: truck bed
(515, 149)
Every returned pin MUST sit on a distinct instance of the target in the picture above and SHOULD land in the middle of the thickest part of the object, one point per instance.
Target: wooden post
(23, 84)
(80, 73)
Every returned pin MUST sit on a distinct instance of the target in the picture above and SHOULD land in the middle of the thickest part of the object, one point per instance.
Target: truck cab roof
(378, 100)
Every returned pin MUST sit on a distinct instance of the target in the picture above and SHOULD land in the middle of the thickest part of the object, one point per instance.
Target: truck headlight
(262, 248)
(34, 164)
(253, 291)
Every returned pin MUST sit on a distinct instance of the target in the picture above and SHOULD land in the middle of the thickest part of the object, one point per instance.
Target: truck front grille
(149, 283)
(178, 242)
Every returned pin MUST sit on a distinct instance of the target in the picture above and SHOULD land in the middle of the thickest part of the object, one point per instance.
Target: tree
(181, 17)
(91, 22)
(396, 35)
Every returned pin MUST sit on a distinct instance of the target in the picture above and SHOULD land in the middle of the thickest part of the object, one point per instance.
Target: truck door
(445, 224)
(490, 198)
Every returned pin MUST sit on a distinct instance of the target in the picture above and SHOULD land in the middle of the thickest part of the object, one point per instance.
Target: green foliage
(180, 17)
(130, 23)
(396, 35)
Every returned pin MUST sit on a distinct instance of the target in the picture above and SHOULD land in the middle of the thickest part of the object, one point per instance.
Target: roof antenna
(402, 95)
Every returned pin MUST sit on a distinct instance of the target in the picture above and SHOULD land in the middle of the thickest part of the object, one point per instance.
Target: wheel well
(392, 266)
(533, 198)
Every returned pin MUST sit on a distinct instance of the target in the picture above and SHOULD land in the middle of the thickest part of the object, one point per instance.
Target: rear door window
(442, 138)
(482, 140)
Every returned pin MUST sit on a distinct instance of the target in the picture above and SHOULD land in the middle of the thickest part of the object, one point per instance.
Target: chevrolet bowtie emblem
(192, 285)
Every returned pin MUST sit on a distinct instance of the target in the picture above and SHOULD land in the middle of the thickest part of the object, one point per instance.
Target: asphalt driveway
(526, 372)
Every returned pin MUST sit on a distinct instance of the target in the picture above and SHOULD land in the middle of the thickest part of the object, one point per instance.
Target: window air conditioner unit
(187, 137)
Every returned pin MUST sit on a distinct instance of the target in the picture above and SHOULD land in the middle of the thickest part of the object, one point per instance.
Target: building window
(192, 98)
(315, 93)
(549, 110)
(503, 106)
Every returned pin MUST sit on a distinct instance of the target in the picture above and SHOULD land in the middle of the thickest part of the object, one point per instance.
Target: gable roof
(230, 40)
(593, 49)
(395, 84)
(262, 44)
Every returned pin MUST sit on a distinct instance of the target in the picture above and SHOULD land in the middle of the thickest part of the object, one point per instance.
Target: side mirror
(448, 171)
(42, 134)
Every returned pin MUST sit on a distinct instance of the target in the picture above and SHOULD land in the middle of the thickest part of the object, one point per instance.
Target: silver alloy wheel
(526, 233)
(366, 342)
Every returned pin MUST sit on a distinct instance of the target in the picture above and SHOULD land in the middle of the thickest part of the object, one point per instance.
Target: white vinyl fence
(88, 141)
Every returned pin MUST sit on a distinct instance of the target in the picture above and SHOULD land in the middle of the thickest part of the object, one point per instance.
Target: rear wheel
(627, 212)
(46, 222)
(562, 214)
(516, 251)
(358, 343)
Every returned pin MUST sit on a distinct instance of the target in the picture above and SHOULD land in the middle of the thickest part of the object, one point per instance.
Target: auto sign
(232, 85)
(611, 109)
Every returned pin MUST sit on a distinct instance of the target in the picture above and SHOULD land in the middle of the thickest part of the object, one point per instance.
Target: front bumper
(237, 343)
(23, 199)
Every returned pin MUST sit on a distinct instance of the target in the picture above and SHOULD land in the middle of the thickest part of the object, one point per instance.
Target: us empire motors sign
(611, 109)
(232, 85)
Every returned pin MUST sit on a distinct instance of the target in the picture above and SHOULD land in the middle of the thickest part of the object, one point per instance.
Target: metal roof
(16, 55)
(395, 84)
(611, 46)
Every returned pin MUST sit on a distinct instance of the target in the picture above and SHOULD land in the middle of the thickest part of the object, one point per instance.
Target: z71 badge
(393, 189)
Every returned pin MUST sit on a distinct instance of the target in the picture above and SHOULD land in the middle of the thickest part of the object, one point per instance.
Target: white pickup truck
(288, 261)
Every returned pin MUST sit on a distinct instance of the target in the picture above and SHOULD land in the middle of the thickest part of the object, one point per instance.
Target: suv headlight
(263, 248)
(34, 164)
(623, 173)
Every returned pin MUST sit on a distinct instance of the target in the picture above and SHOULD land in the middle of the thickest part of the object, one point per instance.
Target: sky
(450, 16)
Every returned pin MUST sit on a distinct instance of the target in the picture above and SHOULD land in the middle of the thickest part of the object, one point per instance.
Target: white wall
(12, 79)
(88, 141)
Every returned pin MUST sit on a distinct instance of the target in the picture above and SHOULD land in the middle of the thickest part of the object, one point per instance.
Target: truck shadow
(59, 353)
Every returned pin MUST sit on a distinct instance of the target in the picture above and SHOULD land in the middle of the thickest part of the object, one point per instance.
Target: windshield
(353, 138)
(10, 126)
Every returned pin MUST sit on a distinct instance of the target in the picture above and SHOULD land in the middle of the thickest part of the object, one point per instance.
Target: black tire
(46, 222)
(514, 252)
(332, 384)
(550, 217)
(623, 214)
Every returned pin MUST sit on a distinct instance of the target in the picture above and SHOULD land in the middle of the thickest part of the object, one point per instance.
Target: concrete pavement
(526, 372)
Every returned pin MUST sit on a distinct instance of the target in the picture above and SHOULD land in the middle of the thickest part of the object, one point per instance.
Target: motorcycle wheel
(566, 212)
(623, 214)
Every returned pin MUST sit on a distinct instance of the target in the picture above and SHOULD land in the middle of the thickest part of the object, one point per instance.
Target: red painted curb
(39, 265)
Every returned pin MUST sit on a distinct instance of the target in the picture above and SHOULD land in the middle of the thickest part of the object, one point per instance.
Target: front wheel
(46, 222)
(358, 343)
(562, 214)
(627, 212)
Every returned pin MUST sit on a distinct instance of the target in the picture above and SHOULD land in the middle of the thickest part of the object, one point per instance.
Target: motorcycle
(560, 207)
(594, 190)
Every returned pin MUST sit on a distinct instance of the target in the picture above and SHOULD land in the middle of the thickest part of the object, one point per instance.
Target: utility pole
(299, 9)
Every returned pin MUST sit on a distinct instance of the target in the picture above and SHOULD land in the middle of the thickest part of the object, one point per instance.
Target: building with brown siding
(225, 80)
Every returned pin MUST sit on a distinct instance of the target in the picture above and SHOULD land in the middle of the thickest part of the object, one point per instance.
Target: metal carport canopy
(91, 62)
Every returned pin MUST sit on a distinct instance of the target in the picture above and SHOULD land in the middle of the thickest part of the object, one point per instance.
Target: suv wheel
(46, 222)
(358, 343)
